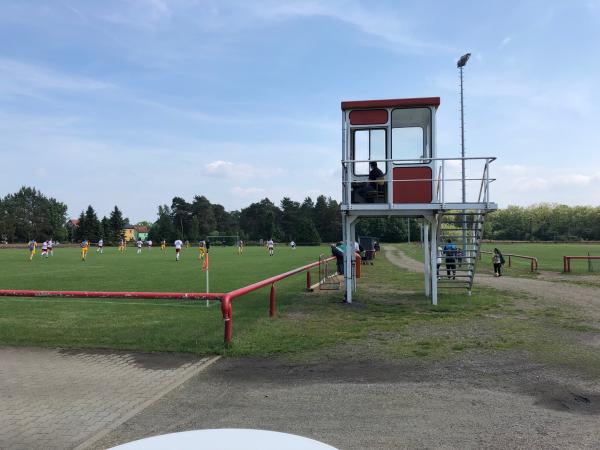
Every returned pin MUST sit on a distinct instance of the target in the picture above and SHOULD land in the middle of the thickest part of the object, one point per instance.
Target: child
(178, 245)
(139, 244)
(100, 246)
(497, 262)
(85, 246)
(270, 246)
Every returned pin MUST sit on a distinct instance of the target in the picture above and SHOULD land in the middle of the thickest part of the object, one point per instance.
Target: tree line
(29, 214)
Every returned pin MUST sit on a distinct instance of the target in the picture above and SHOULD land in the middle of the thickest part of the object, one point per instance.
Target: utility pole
(460, 64)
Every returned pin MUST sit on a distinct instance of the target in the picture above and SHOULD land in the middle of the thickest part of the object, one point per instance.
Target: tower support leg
(433, 260)
(349, 260)
(426, 257)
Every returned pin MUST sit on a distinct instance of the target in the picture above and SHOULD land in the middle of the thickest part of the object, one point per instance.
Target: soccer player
(201, 249)
(163, 245)
(32, 246)
(240, 247)
(51, 247)
(85, 246)
(270, 246)
(178, 245)
(100, 246)
(149, 245)
(45, 249)
(122, 245)
(293, 245)
(139, 244)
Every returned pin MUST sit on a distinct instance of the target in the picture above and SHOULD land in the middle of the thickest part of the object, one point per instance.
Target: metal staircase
(464, 228)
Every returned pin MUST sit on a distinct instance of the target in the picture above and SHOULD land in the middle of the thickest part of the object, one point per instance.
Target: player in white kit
(178, 245)
(270, 246)
(139, 244)
(100, 248)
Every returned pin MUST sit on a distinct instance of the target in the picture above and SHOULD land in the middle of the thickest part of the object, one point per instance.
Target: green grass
(138, 324)
(391, 318)
(550, 256)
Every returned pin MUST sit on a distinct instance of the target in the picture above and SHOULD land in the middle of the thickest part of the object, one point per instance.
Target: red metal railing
(567, 261)
(225, 298)
(532, 259)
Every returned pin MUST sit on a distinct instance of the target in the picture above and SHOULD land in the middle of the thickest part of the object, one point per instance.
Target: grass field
(390, 318)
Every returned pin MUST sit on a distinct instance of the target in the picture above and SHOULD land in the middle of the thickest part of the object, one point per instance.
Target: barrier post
(308, 282)
(272, 301)
(509, 261)
(227, 318)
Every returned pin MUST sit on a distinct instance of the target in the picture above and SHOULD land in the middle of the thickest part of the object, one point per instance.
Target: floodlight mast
(460, 64)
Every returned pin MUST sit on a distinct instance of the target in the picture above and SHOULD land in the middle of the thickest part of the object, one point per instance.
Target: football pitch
(156, 325)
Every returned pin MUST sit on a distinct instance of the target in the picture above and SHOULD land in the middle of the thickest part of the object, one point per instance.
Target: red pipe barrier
(104, 294)
(272, 301)
(567, 261)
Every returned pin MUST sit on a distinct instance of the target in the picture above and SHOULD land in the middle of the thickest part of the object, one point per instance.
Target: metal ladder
(450, 227)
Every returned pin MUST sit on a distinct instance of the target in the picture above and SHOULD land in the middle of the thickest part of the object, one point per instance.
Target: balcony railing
(443, 189)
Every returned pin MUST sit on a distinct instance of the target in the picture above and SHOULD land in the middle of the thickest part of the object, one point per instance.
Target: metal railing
(439, 183)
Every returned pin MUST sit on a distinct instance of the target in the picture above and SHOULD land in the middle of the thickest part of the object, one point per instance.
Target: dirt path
(585, 297)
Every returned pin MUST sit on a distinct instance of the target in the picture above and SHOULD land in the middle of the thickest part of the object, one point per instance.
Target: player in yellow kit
(32, 247)
(163, 245)
(201, 250)
(121, 245)
(85, 246)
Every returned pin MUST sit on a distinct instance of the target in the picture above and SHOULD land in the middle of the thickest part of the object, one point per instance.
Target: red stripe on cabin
(368, 117)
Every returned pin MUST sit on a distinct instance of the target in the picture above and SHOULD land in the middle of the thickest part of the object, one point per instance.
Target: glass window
(411, 133)
(407, 143)
(369, 145)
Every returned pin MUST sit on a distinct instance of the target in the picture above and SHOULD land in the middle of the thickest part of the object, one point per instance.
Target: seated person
(376, 184)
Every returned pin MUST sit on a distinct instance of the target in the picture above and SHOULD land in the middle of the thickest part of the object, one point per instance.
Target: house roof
(391, 103)
(74, 222)
(141, 228)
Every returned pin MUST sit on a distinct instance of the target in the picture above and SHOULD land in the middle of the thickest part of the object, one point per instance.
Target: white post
(427, 257)
(434, 246)
(353, 254)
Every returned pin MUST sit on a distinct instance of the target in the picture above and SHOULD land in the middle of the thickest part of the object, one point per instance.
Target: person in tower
(178, 244)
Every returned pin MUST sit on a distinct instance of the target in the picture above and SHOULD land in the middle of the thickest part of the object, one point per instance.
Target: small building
(141, 232)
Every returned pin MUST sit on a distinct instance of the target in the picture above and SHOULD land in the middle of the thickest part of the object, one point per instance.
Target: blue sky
(134, 102)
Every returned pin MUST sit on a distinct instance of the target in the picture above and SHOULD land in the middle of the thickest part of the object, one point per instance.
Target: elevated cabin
(390, 167)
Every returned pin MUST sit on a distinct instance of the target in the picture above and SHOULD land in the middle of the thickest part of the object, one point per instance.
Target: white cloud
(17, 77)
(505, 42)
(237, 171)
(247, 192)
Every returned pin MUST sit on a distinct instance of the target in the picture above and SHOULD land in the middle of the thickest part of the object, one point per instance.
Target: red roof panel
(391, 103)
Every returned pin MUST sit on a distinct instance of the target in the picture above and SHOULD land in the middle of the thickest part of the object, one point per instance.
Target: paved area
(64, 399)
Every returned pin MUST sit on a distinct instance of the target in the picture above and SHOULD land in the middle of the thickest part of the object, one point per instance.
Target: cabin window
(411, 134)
(369, 145)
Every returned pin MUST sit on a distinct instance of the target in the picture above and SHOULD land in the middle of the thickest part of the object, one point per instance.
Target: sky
(133, 102)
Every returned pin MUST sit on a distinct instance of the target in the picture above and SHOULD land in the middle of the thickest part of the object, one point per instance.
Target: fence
(567, 261)
(226, 299)
(533, 260)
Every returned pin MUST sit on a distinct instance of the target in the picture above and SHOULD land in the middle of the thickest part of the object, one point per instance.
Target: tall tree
(117, 222)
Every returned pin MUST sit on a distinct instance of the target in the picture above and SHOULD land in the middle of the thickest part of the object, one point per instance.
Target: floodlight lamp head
(463, 60)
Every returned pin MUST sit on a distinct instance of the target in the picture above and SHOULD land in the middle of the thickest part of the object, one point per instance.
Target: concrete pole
(427, 258)
(434, 246)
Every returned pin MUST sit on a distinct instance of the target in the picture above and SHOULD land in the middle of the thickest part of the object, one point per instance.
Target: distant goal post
(224, 240)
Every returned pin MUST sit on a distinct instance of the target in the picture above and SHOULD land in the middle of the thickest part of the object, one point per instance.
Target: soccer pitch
(139, 324)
